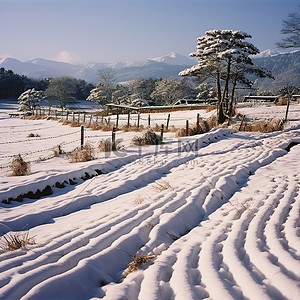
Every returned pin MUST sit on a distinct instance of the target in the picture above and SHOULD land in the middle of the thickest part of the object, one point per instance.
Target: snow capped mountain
(266, 53)
(175, 59)
(271, 52)
(282, 66)
(164, 66)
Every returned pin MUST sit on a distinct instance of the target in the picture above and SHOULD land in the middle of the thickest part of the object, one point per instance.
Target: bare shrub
(282, 101)
(240, 208)
(95, 126)
(204, 126)
(106, 127)
(157, 128)
(162, 185)
(15, 241)
(66, 122)
(148, 138)
(180, 132)
(57, 151)
(134, 127)
(107, 145)
(172, 129)
(263, 126)
(81, 154)
(19, 167)
(137, 261)
(212, 122)
(74, 124)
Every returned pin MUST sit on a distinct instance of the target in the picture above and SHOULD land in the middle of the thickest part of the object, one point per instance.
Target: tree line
(13, 85)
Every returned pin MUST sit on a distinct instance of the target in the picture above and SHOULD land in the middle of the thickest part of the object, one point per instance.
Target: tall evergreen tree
(220, 54)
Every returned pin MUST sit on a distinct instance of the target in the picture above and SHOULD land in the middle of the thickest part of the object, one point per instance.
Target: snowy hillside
(166, 66)
(284, 66)
(175, 59)
(214, 216)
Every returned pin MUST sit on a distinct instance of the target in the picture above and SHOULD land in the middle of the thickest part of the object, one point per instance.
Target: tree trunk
(225, 92)
(230, 104)
(220, 114)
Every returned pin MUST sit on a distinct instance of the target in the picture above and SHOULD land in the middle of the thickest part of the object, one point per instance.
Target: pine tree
(30, 99)
(224, 56)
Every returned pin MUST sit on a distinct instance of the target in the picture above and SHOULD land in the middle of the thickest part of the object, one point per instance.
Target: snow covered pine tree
(224, 55)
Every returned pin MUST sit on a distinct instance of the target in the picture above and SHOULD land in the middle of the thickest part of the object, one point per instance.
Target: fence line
(82, 135)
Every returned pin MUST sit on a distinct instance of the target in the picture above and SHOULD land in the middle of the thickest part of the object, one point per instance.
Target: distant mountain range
(285, 67)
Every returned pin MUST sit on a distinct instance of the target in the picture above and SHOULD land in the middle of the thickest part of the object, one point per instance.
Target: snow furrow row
(149, 221)
(244, 254)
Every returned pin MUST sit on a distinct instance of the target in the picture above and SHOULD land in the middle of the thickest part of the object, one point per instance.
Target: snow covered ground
(218, 214)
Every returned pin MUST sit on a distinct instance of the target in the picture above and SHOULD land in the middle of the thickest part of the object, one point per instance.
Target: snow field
(225, 227)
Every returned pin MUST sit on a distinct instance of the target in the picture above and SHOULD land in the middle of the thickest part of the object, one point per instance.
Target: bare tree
(291, 27)
(106, 83)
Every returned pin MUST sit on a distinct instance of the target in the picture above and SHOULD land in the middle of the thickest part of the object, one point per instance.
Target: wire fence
(80, 120)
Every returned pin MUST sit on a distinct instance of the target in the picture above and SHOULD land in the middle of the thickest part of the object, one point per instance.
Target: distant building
(261, 98)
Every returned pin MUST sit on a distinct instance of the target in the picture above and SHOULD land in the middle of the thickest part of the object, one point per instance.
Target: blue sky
(81, 31)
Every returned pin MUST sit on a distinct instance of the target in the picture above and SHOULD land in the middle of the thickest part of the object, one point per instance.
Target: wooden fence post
(198, 120)
(128, 121)
(113, 139)
(117, 122)
(83, 117)
(78, 120)
(162, 132)
(91, 117)
(73, 116)
(168, 121)
(241, 125)
(149, 120)
(82, 136)
(187, 128)
(138, 120)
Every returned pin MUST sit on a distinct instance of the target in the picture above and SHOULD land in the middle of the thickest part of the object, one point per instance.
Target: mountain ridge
(284, 66)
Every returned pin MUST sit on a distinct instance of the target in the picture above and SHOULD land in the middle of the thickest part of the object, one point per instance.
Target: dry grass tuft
(204, 126)
(33, 135)
(86, 153)
(107, 145)
(57, 151)
(263, 126)
(19, 167)
(15, 241)
(134, 127)
(157, 128)
(66, 122)
(210, 108)
(162, 185)
(137, 261)
(148, 138)
(74, 124)
(106, 127)
(138, 200)
(240, 208)
(282, 101)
